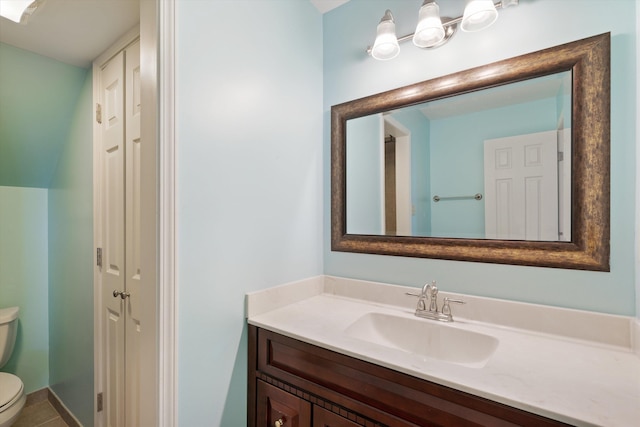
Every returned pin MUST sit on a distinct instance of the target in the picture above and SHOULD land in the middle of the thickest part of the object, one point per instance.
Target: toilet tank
(8, 332)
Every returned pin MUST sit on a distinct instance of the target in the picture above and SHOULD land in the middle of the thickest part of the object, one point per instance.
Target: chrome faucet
(428, 304)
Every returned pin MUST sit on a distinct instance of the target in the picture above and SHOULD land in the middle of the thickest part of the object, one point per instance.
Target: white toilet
(12, 397)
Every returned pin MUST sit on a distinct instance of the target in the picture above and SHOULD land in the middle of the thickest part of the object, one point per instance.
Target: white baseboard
(635, 336)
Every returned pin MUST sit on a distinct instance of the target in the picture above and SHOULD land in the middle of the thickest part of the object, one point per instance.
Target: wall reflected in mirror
(489, 164)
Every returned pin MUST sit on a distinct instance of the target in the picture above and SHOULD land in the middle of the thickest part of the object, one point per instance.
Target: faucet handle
(421, 298)
(446, 308)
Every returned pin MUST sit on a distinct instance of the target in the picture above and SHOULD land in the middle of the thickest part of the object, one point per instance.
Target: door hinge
(99, 257)
(99, 402)
(99, 113)
(560, 156)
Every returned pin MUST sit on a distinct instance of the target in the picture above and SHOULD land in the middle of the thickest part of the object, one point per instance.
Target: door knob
(121, 294)
(279, 423)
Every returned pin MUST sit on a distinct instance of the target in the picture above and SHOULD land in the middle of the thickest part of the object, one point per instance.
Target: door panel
(113, 229)
(132, 208)
(521, 187)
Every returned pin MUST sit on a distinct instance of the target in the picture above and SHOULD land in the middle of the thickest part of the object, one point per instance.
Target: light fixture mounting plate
(449, 31)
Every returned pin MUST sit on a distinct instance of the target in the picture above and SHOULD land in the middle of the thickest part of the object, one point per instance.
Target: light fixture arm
(451, 26)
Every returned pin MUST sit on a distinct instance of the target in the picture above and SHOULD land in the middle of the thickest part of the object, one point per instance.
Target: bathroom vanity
(306, 385)
(338, 352)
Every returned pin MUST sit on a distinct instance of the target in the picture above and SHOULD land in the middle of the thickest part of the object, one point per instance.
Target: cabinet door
(275, 405)
(324, 418)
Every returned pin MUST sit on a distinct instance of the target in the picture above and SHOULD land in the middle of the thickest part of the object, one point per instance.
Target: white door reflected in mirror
(521, 187)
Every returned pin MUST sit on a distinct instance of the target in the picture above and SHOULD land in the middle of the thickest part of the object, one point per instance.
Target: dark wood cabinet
(324, 418)
(275, 405)
(321, 388)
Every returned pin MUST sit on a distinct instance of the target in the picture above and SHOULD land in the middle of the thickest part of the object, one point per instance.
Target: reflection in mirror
(410, 178)
(490, 164)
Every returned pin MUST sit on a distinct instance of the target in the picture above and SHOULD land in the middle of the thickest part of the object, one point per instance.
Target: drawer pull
(279, 423)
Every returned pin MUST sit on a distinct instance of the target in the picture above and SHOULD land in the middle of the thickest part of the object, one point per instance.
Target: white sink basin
(426, 338)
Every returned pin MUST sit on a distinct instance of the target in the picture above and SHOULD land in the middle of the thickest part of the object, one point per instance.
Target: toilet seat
(11, 390)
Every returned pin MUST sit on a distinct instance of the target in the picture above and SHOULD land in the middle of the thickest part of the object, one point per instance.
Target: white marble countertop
(574, 366)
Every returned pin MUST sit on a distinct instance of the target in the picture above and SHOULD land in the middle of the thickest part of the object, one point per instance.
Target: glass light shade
(429, 31)
(16, 10)
(386, 45)
(478, 15)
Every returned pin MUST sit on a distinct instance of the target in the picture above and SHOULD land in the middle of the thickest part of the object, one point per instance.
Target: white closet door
(133, 243)
(113, 235)
(121, 151)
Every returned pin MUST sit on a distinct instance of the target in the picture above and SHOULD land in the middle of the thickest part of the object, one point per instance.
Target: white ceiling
(501, 96)
(326, 5)
(72, 31)
(78, 31)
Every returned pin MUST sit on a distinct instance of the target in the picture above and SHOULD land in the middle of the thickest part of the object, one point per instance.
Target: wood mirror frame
(589, 62)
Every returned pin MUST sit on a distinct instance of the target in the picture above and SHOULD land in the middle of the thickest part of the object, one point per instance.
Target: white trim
(167, 292)
(635, 336)
(404, 204)
(382, 183)
(637, 170)
(97, 243)
(121, 44)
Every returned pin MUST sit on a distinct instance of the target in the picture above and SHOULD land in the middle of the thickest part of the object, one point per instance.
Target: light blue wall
(564, 108)
(23, 280)
(364, 185)
(46, 234)
(350, 74)
(70, 264)
(37, 96)
(249, 161)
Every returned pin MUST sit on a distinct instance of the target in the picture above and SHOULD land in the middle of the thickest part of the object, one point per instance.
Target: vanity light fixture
(431, 31)
(18, 10)
(386, 45)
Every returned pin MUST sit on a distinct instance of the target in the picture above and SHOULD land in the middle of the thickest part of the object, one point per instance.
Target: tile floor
(39, 414)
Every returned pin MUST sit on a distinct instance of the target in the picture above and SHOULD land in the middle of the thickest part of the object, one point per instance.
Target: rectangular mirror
(504, 163)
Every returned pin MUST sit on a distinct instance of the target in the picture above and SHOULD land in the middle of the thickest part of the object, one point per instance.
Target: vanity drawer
(379, 394)
(275, 405)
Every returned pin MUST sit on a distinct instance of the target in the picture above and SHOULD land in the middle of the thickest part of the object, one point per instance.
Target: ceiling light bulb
(386, 45)
(429, 31)
(18, 10)
(478, 15)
